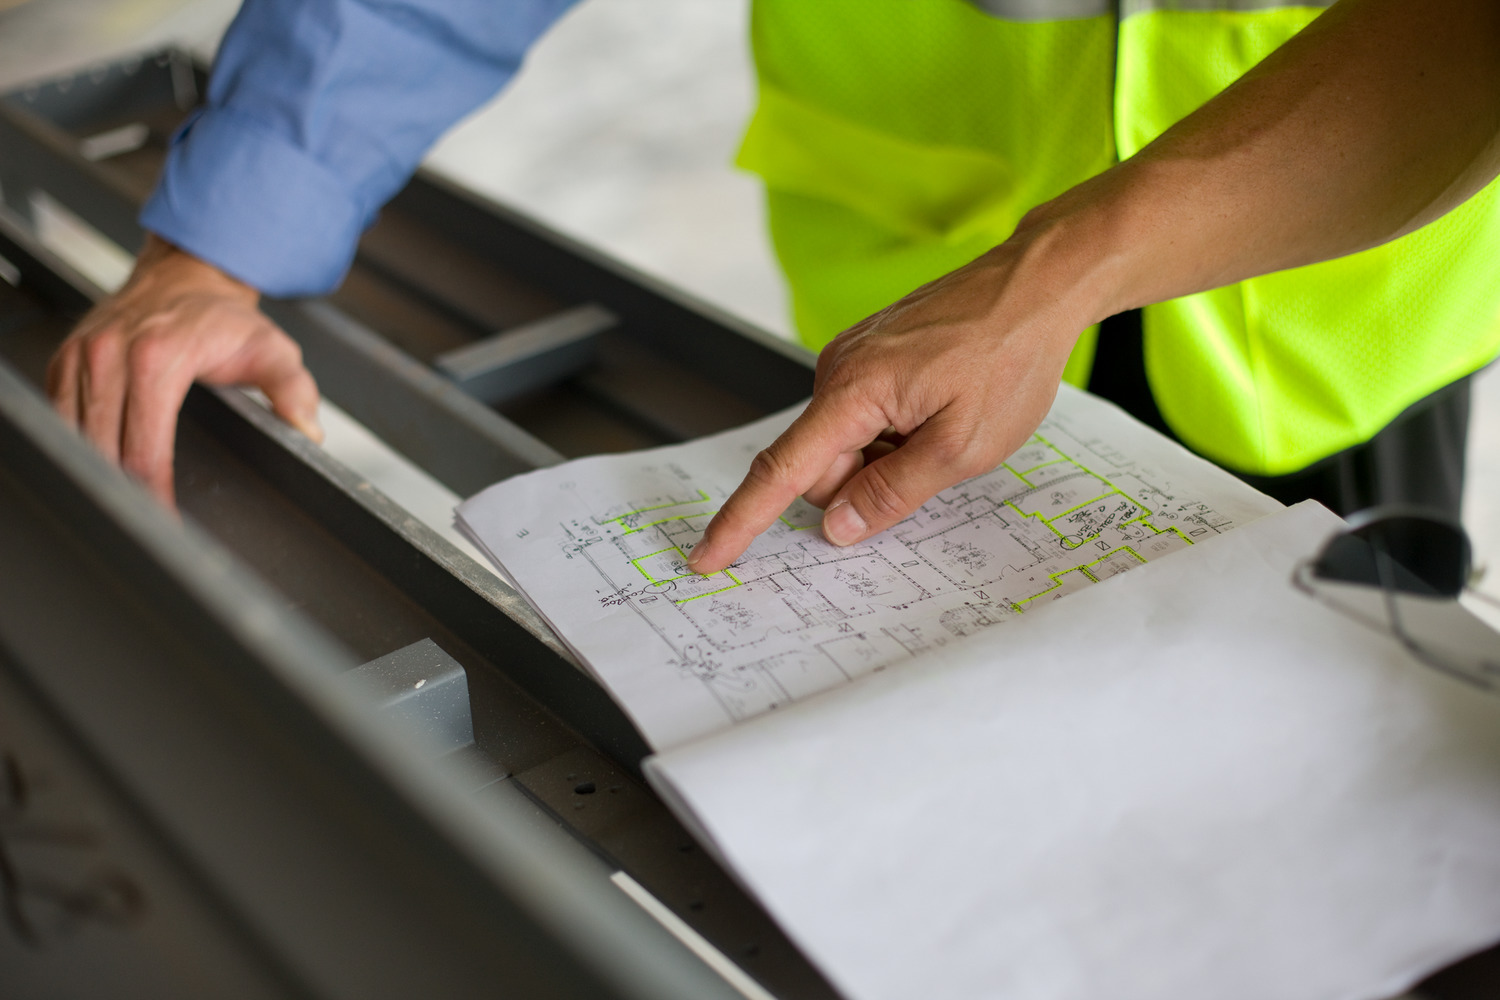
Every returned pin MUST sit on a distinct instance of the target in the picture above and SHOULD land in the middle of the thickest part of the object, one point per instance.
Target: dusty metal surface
(337, 554)
(441, 271)
(360, 570)
(235, 811)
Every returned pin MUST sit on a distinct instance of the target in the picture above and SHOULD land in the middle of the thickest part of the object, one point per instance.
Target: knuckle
(289, 349)
(149, 355)
(58, 365)
(271, 344)
(883, 498)
(858, 385)
(768, 468)
(100, 350)
(952, 453)
(833, 368)
(972, 465)
(137, 466)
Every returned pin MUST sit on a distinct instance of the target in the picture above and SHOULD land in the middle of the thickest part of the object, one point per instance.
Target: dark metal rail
(440, 273)
(343, 575)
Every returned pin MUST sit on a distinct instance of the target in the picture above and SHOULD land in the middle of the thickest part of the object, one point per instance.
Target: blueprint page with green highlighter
(599, 545)
(1067, 731)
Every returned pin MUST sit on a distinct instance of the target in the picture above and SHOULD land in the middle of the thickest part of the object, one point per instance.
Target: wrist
(1082, 246)
(162, 263)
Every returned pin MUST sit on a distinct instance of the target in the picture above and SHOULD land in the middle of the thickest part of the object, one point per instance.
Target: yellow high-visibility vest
(900, 139)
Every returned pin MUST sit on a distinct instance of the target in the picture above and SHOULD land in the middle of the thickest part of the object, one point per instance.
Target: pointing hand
(939, 387)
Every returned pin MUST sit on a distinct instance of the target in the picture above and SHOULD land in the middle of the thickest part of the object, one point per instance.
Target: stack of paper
(1190, 781)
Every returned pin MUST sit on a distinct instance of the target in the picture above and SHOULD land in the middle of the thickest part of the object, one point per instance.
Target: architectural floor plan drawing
(600, 546)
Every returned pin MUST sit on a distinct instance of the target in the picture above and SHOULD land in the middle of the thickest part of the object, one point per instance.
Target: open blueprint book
(601, 553)
(964, 759)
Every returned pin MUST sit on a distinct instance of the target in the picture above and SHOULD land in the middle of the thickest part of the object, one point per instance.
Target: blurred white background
(619, 130)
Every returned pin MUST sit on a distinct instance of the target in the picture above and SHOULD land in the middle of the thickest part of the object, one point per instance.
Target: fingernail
(842, 525)
(310, 429)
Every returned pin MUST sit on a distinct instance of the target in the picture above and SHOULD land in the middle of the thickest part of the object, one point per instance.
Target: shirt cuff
(239, 197)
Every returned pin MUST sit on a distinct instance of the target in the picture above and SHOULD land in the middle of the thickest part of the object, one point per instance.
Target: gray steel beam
(763, 370)
(457, 439)
(519, 360)
(40, 156)
(131, 88)
(281, 518)
(424, 690)
(472, 602)
(338, 861)
(468, 599)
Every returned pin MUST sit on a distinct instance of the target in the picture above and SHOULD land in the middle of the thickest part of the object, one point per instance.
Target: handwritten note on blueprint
(599, 545)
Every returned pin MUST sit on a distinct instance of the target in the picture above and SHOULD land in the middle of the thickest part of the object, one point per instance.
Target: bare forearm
(1379, 118)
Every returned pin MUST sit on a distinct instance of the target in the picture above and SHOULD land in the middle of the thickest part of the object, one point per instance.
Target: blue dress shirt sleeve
(317, 112)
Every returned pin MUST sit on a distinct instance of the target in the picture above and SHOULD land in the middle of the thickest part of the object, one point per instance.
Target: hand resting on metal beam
(122, 374)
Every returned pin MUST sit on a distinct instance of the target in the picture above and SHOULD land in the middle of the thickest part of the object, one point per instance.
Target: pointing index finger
(788, 467)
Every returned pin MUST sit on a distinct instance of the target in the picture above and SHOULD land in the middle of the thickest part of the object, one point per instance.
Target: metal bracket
(523, 358)
(422, 690)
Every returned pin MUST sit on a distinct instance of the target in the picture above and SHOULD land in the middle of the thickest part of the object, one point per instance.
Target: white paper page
(1195, 782)
(598, 545)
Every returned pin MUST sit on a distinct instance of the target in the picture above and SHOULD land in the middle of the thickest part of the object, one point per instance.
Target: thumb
(272, 362)
(294, 397)
(889, 489)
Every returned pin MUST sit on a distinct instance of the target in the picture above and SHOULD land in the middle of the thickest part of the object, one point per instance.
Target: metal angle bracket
(516, 361)
(424, 691)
